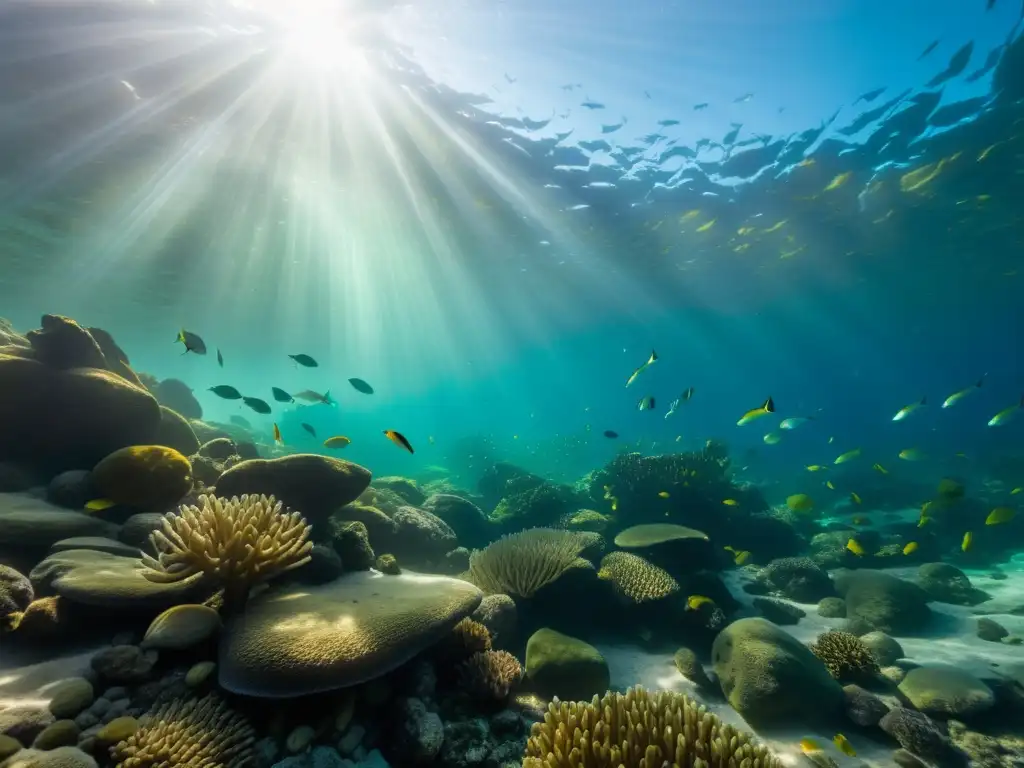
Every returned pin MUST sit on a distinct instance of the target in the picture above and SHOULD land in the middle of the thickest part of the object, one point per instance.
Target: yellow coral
(845, 655)
(521, 563)
(635, 578)
(238, 542)
(185, 733)
(490, 675)
(637, 729)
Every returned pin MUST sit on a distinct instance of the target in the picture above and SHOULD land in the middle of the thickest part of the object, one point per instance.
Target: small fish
(281, 396)
(687, 396)
(706, 226)
(854, 546)
(192, 342)
(1006, 414)
(731, 503)
(663, 494)
(879, 468)
(398, 439)
(930, 47)
(828, 484)
(645, 403)
(98, 505)
(240, 421)
(430, 439)
(220, 359)
(315, 397)
(650, 361)
(844, 745)
(694, 602)
(848, 456)
(361, 386)
(911, 454)
(816, 468)
(809, 745)
(923, 521)
(854, 497)
(956, 397)
(772, 438)
(308, 428)
(795, 421)
(1000, 515)
(260, 406)
(672, 407)
(338, 441)
(226, 391)
(1015, 491)
(610, 434)
(756, 413)
(831, 440)
(906, 410)
(277, 434)
(305, 361)
(838, 181)
(741, 557)
(965, 545)
(910, 548)
(800, 502)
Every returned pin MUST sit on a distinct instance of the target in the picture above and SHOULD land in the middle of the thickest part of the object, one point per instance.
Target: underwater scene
(511, 384)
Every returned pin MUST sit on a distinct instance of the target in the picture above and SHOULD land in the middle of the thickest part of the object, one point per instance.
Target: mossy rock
(61, 757)
(176, 432)
(881, 601)
(118, 729)
(564, 666)
(149, 477)
(946, 691)
(8, 746)
(70, 697)
(62, 733)
(31, 525)
(182, 626)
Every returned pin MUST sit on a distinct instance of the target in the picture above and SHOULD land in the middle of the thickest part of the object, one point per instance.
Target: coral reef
(490, 676)
(520, 564)
(636, 579)
(637, 729)
(845, 657)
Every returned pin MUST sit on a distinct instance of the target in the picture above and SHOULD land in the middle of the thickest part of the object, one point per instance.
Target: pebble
(300, 738)
(70, 697)
(352, 738)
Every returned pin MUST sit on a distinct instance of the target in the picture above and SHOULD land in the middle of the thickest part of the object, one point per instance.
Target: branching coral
(490, 676)
(845, 656)
(467, 637)
(637, 729)
(185, 733)
(521, 563)
(635, 578)
(238, 543)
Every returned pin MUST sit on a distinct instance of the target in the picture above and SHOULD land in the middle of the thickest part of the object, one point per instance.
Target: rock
(31, 525)
(566, 667)
(946, 691)
(181, 627)
(885, 649)
(300, 738)
(96, 544)
(832, 608)
(948, 584)
(351, 740)
(798, 578)
(690, 667)
(123, 665)
(768, 676)
(15, 593)
(69, 419)
(777, 611)
(115, 358)
(71, 696)
(421, 537)
(177, 395)
(417, 736)
(16, 479)
(863, 707)
(380, 527)
(8, 746)
(62, 757)
(324, 565)
(199, 673)
(62, 733)
(218, 449)
(471, 525)
(175, 432)
(991, 630)
(456, 561)
(498, 614)
(352, 543)
(117, 729)
(318, 757)
(311, 484)
(148, 477)
(354, 629)
(71, 489)
(61, 343)
(101, 580)
(24, 723)
(404, 487)
(388, 564)
(881, 601)
(905, 759)
(893, 674)
(917, 734)
(42, 621)
(136, 529)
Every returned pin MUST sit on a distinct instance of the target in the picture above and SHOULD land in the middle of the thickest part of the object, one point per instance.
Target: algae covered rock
(564, 666)
(420, 536)
(311, 484)
(176, 432)
(61, 343)
(886, 650)
(472, 527)
(798, 578)
(61, 757)
(28, 524)
(884, 602)
(768, 676)
(123, 664)
(71, 489)
(917, 734)
(150, 477)
(15, 593)
(71, 696)
(356, 628)
(948, 584)
(182, 626)
(946, 691)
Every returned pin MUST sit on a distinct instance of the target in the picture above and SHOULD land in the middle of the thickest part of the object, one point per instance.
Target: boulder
(886, 650)
(420, 537)
(404, 487)
(28, 524)
(948, 584)
(177, 395)
(71, 489)
(62, 344)
(946, 691)
(175, 432)
(471, 526)
(564, 666)
(878, 600)
(147, 477)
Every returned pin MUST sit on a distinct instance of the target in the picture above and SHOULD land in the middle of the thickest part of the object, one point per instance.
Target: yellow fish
(854, 546)
(277, 434)
(1016, 490)
(1000, 515)
(854, 498)
(650, 361)
(694, 602)
(689, 216)
(985, 152)
(731, 503)
(707, 226)
(756, 413)
(776, 227)
(910, 548)
(911, 454)
(879, 468)
(906, 410)
(338, 441)
(98, 505)
(848, 456)
(956, 397)
(1006, 414)
(965, 545)
(815, 468)
(923, 521)
(828, 484)
(838, 181)
(800, 502)
(809, 746)
(663, 494)
(741, 557)
(844, 745)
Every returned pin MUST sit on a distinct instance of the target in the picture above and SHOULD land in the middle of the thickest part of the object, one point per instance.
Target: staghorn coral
(185, 733)
(635, 578)
(238, 542)
(845, 656)
(521, 563)
(490, 676)
(639, 729)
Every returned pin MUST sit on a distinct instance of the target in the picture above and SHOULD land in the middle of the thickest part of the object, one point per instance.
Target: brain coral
(521, 563)
(635, 578)
(637, 729)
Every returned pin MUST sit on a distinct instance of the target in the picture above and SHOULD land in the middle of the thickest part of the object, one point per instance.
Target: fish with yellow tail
(844, 745)
(1006, 414)
(956, 397)
(192, 341)
(1000, 515)
(879, 469)
(398, 439)
(756, 413)
(912, 454)
(277, 435)
(968, 540)
(650, 361)
(855, 498)
(694, 602)
(848, 456)
(812, 751)
(854, 546)
(906, 410)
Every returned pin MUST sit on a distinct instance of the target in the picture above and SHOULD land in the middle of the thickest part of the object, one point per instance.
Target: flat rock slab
(33, 524)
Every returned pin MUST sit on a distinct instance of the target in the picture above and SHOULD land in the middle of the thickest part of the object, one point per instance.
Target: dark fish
(699, 107)
(931, 47)
(309, 429)
(361, 386)
(315, 397)
(226, 391)
(611, 434)
(260, 406)
(240, 421)
(646, 403)
(220, 359)
(957, 64)
(281, 396)
(304, 360)
(688, 394)
(398, 439)
(869, 96)
(191, 341)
